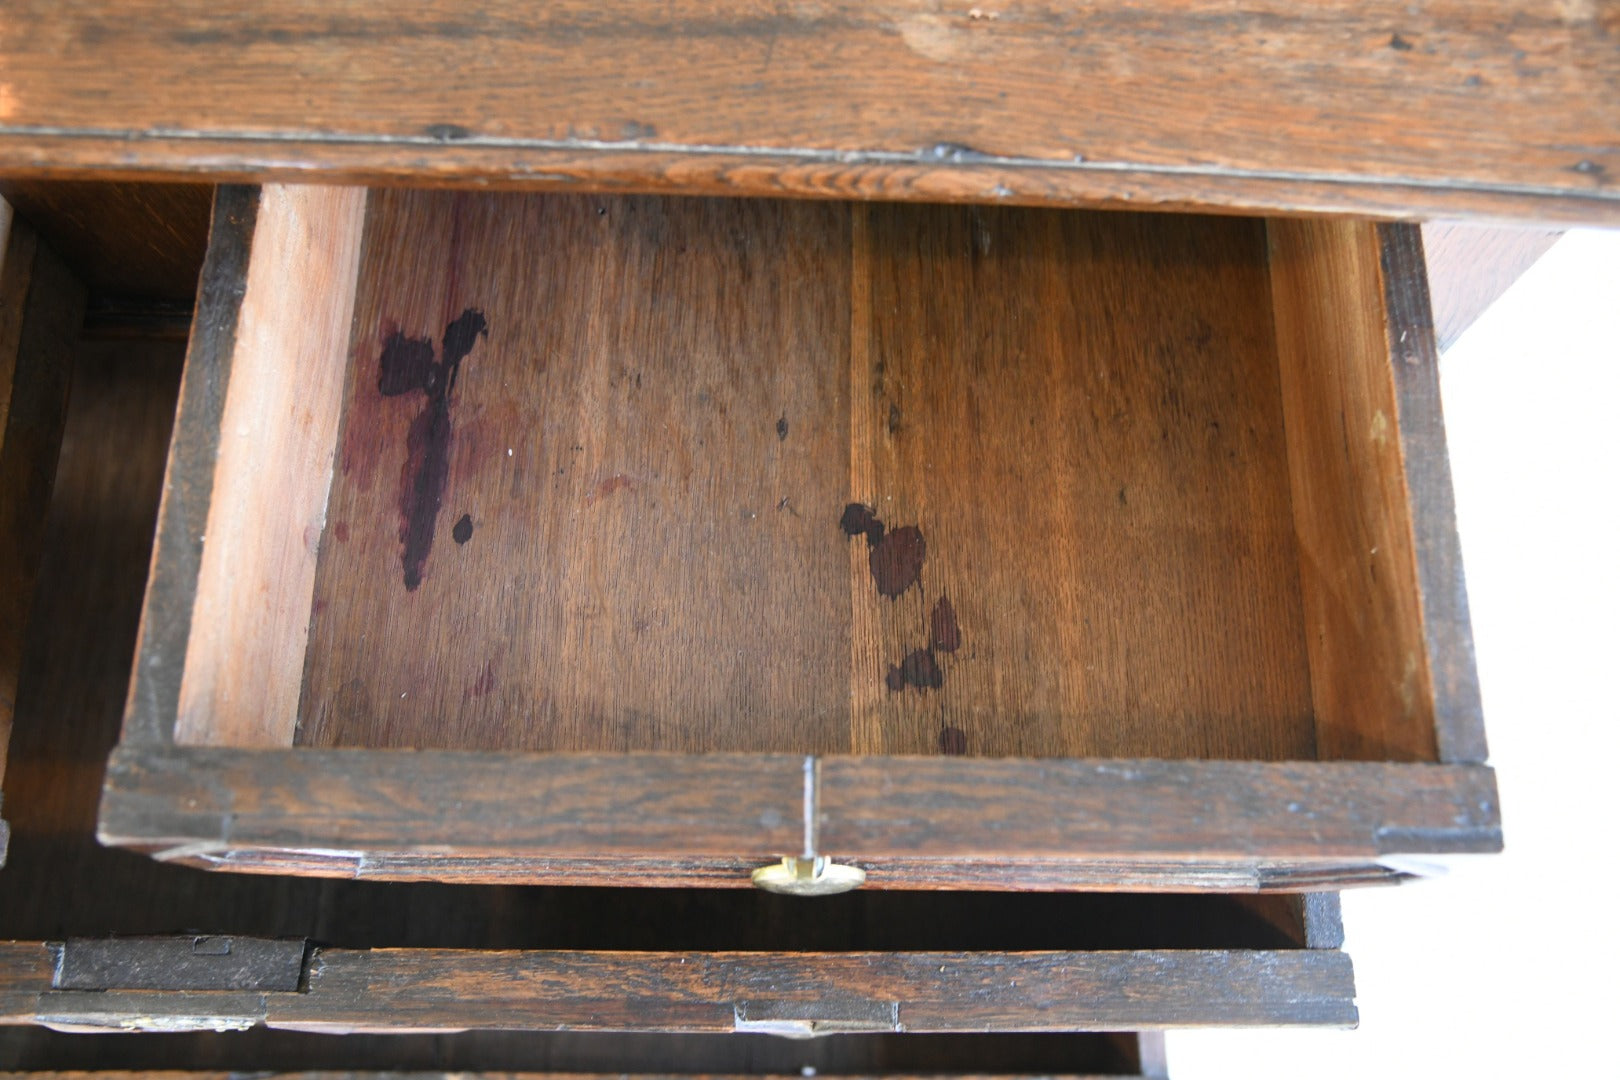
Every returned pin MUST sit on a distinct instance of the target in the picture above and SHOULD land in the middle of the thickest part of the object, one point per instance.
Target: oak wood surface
(619, 528)
(1471, 265)
(250, 620)
(940, 821)
(1461, 107)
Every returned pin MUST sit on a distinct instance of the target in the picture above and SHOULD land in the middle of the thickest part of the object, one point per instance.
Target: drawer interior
(640, 473)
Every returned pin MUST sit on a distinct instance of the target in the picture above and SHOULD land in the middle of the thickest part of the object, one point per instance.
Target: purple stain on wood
(897, 560)
(407, 364)
(486, 681)
(462, 532)
(340, 532)
(918, 669)
(616, 482)
(860, 520)
(953, 741)
(943, 633)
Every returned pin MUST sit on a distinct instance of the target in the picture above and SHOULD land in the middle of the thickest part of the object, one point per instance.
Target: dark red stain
(407, 364)
(340, 532)
(943, 633)
(897, 560)
(953, 741)
(918, 669)
(859, 520)
(462, 532)
(616, 482)
(486, 681)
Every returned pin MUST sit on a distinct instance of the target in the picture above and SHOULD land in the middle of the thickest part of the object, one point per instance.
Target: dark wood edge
(700, 819)
(1322, 919)
(796, 994)
(959, 176)
(462, 1074)
(160, 651)
(1448, 638)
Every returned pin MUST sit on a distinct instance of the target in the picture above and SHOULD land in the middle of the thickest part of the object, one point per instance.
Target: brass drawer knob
(800, 876)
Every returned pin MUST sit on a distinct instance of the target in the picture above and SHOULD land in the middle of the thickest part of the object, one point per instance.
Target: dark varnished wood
(1462, 107)
(125, 242)
(376, 813)
(420, 990)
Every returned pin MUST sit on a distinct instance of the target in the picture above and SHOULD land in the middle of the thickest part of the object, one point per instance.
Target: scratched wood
(1372, 107)
(622, 522)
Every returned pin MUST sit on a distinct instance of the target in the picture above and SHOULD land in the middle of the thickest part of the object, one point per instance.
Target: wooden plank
(1448, 636)
(799, 993)
(1471, 265)
(373, 1074)
(188, 483)
(1208, 810)
(1080, 413)
(1392, 669)
(277, 444)
(41, 307)
(614, 526)
(1467, 106)
(914, 822)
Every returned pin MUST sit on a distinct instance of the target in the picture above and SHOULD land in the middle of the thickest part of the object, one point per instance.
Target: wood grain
(1369, 669)
(1466, 106)
(41, 307)
(634, 544)
(1471, 265)
(1081, 414)
(1190, 825)
(434, 990)
(134, 242)
(634, 540)
(277, 442)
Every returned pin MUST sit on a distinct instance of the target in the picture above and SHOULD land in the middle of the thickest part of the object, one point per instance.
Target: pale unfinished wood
(1370, 676)
(278, 433)
(1470, 266)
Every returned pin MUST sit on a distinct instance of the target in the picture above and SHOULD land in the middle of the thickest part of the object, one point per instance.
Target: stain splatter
(897, 560)
(918, 669)
(953, 741)
(462, 532)
(781, 428)
(894, 419)
(943, 633)
(485, 682)
(1399, 44)
(859, 520)
(408, 364)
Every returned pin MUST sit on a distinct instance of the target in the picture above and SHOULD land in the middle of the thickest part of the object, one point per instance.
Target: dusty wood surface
(41, 306)
(1214, 825)
(427, 990)
(278, 431)
(621, 523)
(1463, 107)
(1471, 265)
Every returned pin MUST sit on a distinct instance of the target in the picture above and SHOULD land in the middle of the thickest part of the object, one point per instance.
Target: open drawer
(638, 540)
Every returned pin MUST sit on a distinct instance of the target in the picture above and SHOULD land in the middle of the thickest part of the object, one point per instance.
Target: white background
(1510, 965)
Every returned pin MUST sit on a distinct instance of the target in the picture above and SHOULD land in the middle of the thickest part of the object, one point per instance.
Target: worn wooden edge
(1322, 919)
(1443, 590)
(165, 629)
(793, 994)
(249, 629)
(954, 176)
(705, 819)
